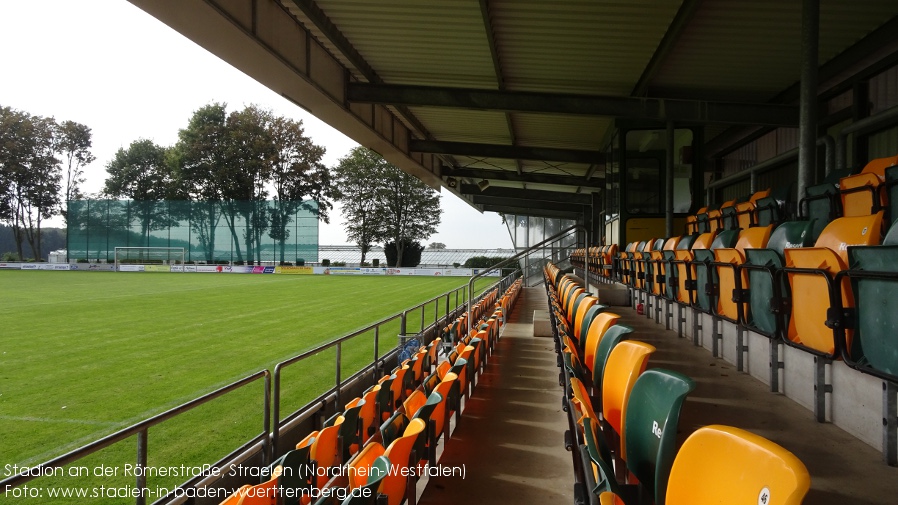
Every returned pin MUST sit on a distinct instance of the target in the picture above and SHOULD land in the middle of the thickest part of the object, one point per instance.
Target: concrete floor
(510, 437)
(843, 469)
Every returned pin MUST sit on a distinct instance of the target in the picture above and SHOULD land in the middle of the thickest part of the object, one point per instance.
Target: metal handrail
(554, 238)
(338, 342)
(140, 429)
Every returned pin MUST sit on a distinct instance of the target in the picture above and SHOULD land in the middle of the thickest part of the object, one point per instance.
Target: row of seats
(395, 423)
(873, 189)
(624, 420)
(821, 285)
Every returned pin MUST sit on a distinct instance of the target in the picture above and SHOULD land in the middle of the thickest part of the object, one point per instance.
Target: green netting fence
(213, 232)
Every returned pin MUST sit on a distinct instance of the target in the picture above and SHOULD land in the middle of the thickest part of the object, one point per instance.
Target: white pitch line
(51, 420)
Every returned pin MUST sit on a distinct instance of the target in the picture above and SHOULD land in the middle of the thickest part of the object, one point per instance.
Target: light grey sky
(111, 66)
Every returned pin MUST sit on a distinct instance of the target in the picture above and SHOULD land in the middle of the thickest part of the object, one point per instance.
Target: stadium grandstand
(702, 196)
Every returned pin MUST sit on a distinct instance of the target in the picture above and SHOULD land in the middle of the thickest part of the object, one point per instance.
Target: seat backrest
(399, 452)
(704, 240)
(448, 391)
(721, 464)
(685, 242)
(790, 235)
(653, 414)
(350, 429)
(586, 302)
(851, 231)
(874, 322)
(759, 314)
(393, 427)
(588, 318)
(860, 194)
(725, 239)
(324, 448)
(625, 364)
(295, 464)
(754, 238)
(612, 337)
(358, 474)
(597, 330)
(820, 207)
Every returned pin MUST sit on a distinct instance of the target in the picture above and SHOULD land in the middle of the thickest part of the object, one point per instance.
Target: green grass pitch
(83, 354)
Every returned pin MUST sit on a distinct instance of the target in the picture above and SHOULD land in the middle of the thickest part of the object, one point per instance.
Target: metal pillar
(669, 183)
(821, 387)
(889, 423)
(807, 127)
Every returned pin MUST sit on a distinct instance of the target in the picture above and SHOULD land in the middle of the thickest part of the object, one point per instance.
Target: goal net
(162, 258)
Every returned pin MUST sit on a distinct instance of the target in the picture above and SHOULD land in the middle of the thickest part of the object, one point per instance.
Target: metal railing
(524, 254)
(375, 367)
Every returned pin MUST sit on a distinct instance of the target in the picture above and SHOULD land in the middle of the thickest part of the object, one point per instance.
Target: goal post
(161, 256)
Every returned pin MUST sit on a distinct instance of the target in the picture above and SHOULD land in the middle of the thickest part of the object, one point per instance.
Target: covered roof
(510, 103)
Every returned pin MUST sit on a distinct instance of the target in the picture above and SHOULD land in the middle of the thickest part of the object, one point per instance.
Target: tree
(381, 202)
(200, 157)
(437, 245)
(141, 173)
(29, 175)
(297, 173)
(411, 256)
(356, 179)
(74, 143)
(411, 209)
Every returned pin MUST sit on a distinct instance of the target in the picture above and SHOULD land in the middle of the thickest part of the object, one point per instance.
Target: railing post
(276, 407)
(339, 366)
(267, 448)
(376, 351)
(141, 483)
(447, 308)
(402, 323)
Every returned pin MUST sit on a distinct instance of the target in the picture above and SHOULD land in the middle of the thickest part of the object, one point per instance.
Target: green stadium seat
(625, 364)
(705, 274)
(612, 337)
(393, 427)
(375, 472)
(873, 272)
(760, 311)
(351, 430)
(653, 414)
(296, 475)
(671, 282)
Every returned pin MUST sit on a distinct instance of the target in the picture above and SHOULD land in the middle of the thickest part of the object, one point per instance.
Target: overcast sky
(116, 69)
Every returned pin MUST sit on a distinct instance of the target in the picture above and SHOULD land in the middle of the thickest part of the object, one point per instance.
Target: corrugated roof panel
(578, 46)
(572, 132)
(460, 125)
(749, 50)
(417, 41)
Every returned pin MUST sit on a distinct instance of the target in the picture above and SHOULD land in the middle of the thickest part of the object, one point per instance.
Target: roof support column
(807, 125)
(669, 183)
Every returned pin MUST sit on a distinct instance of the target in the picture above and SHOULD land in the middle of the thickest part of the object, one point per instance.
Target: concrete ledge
(542, 326)
(613, 294)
